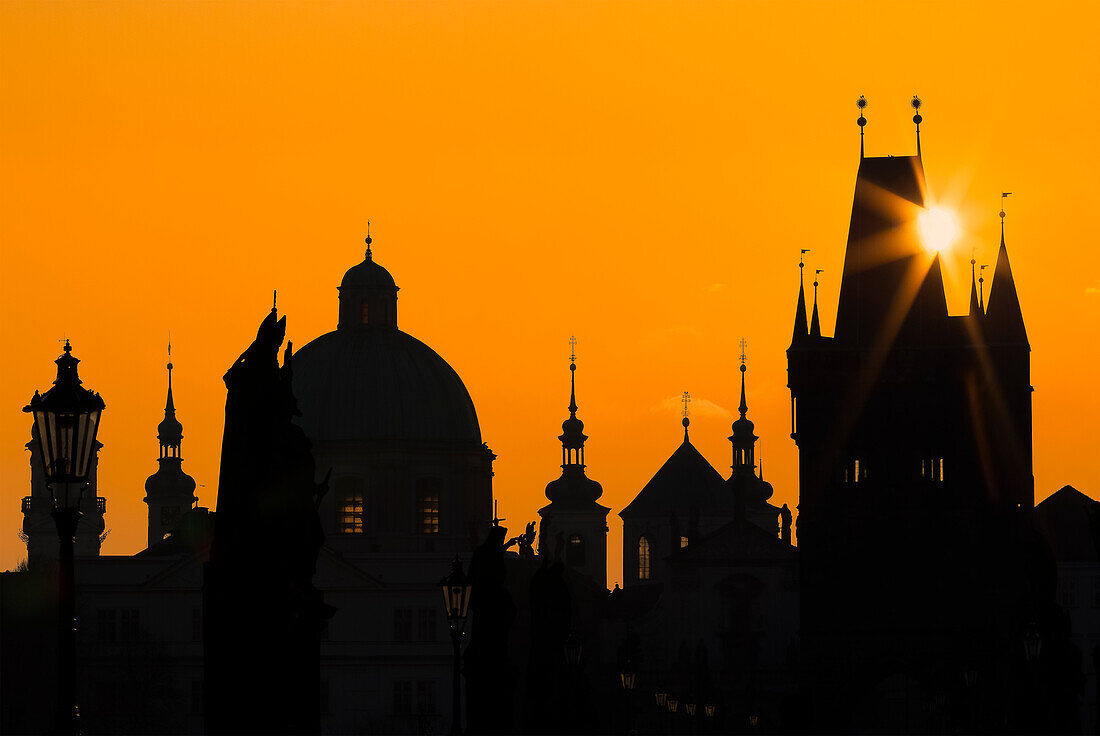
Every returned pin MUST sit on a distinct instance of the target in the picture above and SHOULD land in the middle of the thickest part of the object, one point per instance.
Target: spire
(572, 435)
(686, 398)
(815, 322)
(170, 430)
(861, 103)
(368, 241)
(800, 330)
(981, 286)
(1005, 318)
(975, 301)
(915, 103)
(743, 408)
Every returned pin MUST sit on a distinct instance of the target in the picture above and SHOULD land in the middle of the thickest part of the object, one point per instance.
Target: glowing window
(349, 512)
(427, 506)
(643, 559)
(574, 554)
(363, 311)
(683, 542)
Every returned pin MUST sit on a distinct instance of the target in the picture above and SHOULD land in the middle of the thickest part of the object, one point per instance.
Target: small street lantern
(66, 421)
(456, 602)
(689, 708)
(709, 710)
(662, 698)
(573, 649)
(1033, 644)
(753, 720)
(627, 676)
(970, 676)
(673, 705)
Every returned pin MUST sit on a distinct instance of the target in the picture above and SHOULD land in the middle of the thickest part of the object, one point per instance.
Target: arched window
(427, 506)
(574, 554)
(643, 559)
(349, 506)
(683, 542)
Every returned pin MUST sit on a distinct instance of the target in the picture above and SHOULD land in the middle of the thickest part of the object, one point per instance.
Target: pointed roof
(815, 323)
(686, 480)
(800, 330)
(170, 430)
(1070, 520)
(975, 303)
(1005, 318)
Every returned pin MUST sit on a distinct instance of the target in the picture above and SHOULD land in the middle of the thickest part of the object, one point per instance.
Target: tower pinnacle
(686, 399)
(368, 241)
(916, 103)
(861, 103)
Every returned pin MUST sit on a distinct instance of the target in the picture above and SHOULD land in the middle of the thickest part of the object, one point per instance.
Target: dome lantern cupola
(368, 295)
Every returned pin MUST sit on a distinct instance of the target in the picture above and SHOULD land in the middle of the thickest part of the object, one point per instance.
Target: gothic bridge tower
(914, 436)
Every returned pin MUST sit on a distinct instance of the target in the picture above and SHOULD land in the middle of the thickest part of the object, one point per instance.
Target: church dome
(376, 383)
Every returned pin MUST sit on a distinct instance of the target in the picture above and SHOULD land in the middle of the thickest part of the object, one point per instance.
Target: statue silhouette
(263, 616)
(489, 683)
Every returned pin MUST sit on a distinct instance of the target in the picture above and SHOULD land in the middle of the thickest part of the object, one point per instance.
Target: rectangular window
(402, 624)
(402, 697)
(426, 626)
(425, 697)
(683, 542)
(105, 625)
(855, 474)
(131, 624)
(427, 506)
(169, 515)
(349, 510)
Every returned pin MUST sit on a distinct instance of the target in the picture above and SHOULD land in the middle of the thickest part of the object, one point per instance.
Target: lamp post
(661, 697)
(66, 420)
(456, 602)
(627, 676)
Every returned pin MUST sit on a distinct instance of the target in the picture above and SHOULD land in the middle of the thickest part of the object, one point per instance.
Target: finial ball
(915, 102)
(861, 102)
(743, 368)
(686, 422)
(1002, 213)
(572, 366)
(169, 366)
(861, 121)
(918, 119)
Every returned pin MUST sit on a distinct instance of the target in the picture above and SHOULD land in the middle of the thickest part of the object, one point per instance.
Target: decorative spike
(861, 103)
(916, 103)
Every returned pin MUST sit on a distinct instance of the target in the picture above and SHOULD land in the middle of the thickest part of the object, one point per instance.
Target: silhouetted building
(918, 553)
(573, 518)
(1070, 522)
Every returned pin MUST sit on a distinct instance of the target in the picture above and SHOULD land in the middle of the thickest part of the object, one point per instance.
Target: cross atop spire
(686, 399)
(743, 344)
(572, 348)
(981, 285)
(368, 241)
(744, 407)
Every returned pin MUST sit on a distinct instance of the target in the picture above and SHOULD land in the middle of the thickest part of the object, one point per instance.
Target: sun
(938, 229)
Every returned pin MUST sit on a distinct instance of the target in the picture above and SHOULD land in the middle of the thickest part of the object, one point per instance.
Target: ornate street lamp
(970, 676)
(709, 710)
(1033, 644)
(754, 720)
(689, 708)
(456, 602)
(66, 421)
(661, 698)
(673, 705)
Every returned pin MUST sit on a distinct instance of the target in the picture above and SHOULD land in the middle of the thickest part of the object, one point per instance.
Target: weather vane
(981, 285)
(744, 344)
(274, 298)
(169, 350)
(1002, 213)
(686, 399)
(368, 241)
(572, 348)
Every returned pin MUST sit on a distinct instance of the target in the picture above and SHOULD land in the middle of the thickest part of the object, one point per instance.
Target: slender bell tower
(170, 492)
(573, 520)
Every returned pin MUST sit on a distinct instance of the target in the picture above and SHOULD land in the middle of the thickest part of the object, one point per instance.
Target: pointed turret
(1004, 316)
(815, 321)
(975, 301)
(800, 330)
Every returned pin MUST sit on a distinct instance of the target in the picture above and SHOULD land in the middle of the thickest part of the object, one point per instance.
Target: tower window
(349, 512)
(574, 554)
(683, 542)
(932, 469)
(427, 506)
(643, 559)
(364, 311)
(169, 515)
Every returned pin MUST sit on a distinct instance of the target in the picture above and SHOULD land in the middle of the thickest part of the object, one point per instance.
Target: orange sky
(641, 175)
